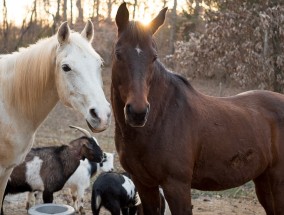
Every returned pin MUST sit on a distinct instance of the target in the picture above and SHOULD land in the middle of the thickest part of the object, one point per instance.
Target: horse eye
(118, 56)
(66, 68)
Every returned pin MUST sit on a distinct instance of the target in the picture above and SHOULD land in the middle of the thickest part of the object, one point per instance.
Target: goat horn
(84, 131)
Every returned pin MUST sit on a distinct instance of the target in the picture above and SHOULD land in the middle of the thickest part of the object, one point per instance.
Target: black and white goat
(115, 192)
(47, 169)
(81, 178)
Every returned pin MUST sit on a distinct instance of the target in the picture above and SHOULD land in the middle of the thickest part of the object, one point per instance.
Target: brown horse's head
(135, 54)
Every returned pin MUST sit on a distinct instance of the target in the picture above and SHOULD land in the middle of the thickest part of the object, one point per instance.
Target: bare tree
(5, 25)
(134, 9)
(173, 28)
(80, 10)
(165, 2)
(64, 8)
(35, 11)
(46, 9)
(96, 7)
(242, 42)
(24, 29)
(110, 3)
(71, 12)
(57, 17)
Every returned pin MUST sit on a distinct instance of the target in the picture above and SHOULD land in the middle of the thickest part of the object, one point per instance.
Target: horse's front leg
(5, 174)
(150, 198)
(178, 196)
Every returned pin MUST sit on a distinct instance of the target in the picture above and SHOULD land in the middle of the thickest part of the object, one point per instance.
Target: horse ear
(122, 17)
(158, 21)
(63, 33)
(88, 31)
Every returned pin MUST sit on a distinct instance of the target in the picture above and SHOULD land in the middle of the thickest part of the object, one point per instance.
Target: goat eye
(66, 68)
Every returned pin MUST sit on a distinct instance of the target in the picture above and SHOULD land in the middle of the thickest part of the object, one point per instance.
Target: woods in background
(240, 42)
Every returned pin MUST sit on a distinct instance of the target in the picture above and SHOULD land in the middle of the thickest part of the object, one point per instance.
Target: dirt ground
(55, 131)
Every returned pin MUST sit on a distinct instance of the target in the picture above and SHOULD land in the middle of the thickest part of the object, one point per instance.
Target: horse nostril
(93, 113)
(128, 109)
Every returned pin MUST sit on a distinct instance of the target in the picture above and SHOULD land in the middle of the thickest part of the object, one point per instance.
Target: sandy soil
(55, 131)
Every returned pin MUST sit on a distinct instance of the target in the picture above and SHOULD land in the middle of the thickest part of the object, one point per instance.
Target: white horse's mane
(26, 73)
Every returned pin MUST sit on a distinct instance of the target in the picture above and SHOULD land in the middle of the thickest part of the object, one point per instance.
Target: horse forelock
(28, 71)
(137, 33)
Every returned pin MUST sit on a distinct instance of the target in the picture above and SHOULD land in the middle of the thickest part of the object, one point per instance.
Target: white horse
(63, 67)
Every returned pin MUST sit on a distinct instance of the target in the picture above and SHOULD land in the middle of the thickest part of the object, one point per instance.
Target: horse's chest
(139, 165)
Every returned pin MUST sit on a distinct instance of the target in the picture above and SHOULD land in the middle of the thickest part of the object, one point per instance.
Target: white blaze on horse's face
(137, 48)
(78, 76)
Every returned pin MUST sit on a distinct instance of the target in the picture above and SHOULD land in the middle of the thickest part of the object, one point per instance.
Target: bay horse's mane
(170, 75)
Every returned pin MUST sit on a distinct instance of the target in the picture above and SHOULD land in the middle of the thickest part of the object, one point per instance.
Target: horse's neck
(162, 88)
(25, 99)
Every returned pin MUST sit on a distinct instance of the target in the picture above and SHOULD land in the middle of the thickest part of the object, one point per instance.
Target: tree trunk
(97, 10)
(80, 10)
(276, 52)
(64, 8)
(35, 10)
(71, 12)
(277, 86)
(58, 11)
(173, 28)
(5, 26)
(109, 9)
(134, 8)
(165, 2)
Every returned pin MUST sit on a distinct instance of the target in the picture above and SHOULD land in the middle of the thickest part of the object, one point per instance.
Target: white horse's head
(78, 76)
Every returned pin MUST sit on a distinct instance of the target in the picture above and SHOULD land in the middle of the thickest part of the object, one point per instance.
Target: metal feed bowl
(57, 209)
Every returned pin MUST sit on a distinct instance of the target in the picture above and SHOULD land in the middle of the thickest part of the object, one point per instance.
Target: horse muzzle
(96, 123)
(136, 118)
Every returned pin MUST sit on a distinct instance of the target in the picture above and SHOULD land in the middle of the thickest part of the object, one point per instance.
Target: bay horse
(63, 67)
(170, 135)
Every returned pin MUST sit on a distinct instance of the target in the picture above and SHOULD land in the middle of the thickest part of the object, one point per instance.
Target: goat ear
(63, 33)
(122, 17)
(89, 146)
(158, 21)
(88, 31)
